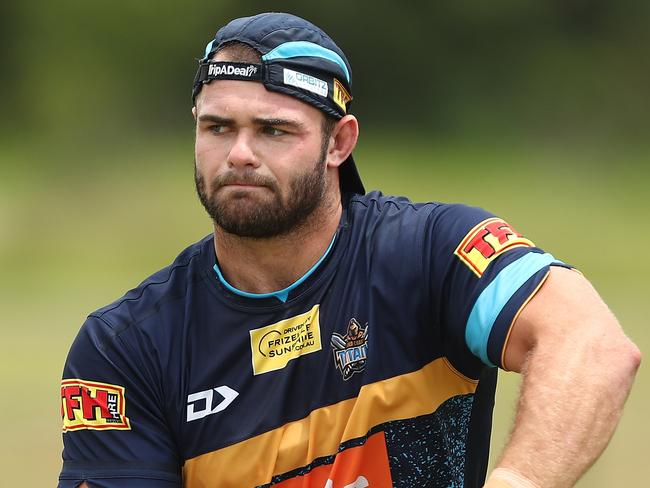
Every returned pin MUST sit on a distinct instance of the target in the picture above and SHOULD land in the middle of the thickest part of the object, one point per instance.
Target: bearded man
(325, 337)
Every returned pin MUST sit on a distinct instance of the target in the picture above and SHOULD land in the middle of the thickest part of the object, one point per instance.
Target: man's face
(260, 159)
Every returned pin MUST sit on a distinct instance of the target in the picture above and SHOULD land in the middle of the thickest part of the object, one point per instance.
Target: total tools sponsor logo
(360, 482)
(359, 466)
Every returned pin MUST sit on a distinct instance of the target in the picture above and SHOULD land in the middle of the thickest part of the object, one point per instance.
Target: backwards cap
(298, 59)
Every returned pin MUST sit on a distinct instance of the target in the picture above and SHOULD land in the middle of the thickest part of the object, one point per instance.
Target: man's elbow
(631, 356)
(626, 359)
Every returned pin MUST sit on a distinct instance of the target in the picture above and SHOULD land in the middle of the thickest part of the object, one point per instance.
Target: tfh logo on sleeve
(92, 405)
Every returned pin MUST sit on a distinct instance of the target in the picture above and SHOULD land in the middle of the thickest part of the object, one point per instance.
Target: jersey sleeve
(483, 274)
(114, 428)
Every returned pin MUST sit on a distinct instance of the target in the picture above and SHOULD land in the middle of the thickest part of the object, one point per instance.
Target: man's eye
(273, 131)
(218, 129)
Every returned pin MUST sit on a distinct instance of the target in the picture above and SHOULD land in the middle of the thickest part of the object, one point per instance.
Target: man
(321, 337)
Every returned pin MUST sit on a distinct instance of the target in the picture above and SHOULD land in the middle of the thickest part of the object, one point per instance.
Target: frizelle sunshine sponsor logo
(273, 346)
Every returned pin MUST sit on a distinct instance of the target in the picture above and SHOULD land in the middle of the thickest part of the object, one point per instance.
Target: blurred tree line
(88, 70)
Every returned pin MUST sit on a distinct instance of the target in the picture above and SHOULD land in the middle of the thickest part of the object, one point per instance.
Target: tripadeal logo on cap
(231, 69)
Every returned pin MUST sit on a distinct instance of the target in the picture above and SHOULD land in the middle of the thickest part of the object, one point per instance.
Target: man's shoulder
(400, 210)
(394, 226)
(376, 201)
(168, 284)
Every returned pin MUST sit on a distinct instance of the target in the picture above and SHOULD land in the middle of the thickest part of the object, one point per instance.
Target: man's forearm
(573, 392)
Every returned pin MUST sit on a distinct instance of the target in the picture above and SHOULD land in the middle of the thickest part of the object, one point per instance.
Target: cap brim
(350, 181)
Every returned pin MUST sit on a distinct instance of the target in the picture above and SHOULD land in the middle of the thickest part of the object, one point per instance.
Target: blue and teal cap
(297, 59)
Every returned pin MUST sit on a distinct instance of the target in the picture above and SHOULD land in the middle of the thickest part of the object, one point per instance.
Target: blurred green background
(537, 111)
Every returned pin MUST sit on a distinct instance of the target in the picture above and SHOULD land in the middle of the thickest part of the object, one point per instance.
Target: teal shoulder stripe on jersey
(283, 294)
(294, 49)
(495, 296)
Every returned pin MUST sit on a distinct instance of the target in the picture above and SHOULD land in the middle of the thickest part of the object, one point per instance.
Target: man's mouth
(241, 183)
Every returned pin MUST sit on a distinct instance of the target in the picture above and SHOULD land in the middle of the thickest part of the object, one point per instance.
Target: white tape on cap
(305, 81)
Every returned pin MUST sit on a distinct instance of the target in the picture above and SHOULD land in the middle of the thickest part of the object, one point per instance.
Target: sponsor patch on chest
(273, 346)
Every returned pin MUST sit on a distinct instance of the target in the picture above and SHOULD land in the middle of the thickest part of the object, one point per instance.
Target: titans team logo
(351, 350)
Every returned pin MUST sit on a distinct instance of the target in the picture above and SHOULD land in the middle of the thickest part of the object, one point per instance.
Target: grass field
(78, 228)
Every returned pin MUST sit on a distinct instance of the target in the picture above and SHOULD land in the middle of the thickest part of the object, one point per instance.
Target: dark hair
(239, 52)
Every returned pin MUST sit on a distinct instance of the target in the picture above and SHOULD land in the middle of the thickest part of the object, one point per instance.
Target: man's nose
(242, 152)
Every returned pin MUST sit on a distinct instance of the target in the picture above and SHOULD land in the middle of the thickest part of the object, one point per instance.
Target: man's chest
(263, 369)
(288, 389)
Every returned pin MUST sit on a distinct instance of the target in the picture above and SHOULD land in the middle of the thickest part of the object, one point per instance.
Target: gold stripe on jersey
(256, 460)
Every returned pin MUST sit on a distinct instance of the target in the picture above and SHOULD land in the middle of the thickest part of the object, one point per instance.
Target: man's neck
(268, 265)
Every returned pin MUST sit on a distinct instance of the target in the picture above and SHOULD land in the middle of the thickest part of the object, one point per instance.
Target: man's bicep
(565, 305)
(485, 272)
(115, 432)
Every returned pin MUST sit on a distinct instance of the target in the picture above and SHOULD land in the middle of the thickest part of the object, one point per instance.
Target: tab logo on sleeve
(486, 241)
(273, 346)
(92, 405)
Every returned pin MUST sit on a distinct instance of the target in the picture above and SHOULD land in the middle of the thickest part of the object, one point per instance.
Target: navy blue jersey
(377, 369)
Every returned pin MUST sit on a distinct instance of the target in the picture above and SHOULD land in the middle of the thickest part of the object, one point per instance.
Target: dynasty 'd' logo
(486, 241)
(351, 350)
(92, 405)
(199, 405)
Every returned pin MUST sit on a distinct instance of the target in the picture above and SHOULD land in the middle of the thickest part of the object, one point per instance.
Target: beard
(242, 215)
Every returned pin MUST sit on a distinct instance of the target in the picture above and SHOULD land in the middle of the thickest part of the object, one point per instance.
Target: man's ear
(194, 112)
(342, 141)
